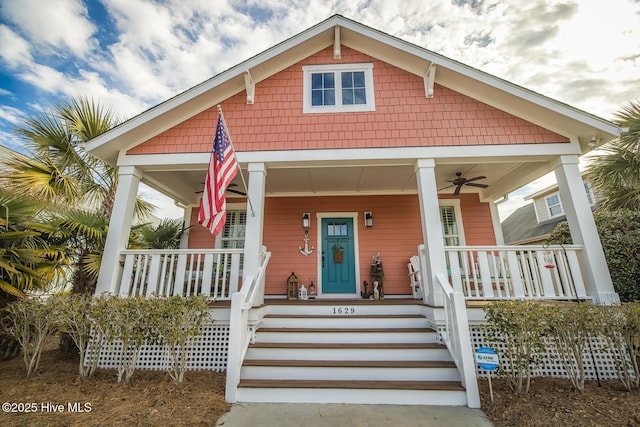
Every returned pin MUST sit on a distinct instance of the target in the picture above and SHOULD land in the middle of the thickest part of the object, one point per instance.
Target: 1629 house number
(344, 310)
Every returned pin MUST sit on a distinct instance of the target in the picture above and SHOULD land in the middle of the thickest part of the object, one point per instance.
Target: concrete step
(447, 393)
(344, 307)
(346, 335)
(347, 351)
(320, 370)
(352, 321)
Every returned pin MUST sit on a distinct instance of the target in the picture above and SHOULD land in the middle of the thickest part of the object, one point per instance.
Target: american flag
(223, 167)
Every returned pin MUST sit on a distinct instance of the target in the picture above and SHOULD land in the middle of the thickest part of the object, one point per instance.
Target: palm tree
(165, 235)
(77, 189)
(616, 173)
(27, 260)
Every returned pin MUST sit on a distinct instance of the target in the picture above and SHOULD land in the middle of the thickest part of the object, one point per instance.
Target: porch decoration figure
(306, 251)
(292, 286)
(367, 294)
(377, 276)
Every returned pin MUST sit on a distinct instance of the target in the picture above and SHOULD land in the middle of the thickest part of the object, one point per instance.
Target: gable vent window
(338, 88)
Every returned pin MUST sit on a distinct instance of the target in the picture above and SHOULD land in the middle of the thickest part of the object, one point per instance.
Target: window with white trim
(338, 88)
(450, 217)
(554, 205)
(234, 228)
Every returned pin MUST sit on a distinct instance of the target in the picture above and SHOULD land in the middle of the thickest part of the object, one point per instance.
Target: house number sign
(344, 310)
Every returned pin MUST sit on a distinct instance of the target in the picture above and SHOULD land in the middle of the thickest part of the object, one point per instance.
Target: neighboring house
(363, 143)
(533, 223)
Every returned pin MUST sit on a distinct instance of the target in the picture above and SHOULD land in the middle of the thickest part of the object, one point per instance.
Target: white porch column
(583, 230)
(184, 239)
(119, 228)
(431, 229)
(255, 219)
(497, 227)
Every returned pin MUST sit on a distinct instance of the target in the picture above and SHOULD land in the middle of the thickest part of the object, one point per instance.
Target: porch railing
(250, 295)
(516, 272)
(458, 340)
(213, 272)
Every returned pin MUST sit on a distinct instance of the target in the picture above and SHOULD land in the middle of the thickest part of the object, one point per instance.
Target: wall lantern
(368, 219)
(306, 220)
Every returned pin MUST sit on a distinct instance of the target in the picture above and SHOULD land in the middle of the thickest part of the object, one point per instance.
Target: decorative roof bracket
(429, 80)
(337, 53)
(250, 87)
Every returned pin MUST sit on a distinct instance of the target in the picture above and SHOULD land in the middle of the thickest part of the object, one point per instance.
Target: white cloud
(14, 50)
(52, 23)
(11, 115)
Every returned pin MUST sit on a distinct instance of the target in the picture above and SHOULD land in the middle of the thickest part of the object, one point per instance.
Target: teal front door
(338, 258)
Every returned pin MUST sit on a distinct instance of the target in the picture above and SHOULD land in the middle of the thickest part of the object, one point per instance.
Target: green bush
(177, 321)
(520, 326)
(620, 235)
(31, 321)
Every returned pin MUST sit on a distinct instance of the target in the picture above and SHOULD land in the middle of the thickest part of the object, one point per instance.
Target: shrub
(177, 321)
(520, 326)
(31, 321)
(571, 327)
(620, 235)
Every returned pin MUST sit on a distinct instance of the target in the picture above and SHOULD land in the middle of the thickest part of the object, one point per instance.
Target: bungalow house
(360, 151)
(534, 222)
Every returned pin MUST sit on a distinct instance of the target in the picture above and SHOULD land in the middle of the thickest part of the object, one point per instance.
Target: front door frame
(356, 251)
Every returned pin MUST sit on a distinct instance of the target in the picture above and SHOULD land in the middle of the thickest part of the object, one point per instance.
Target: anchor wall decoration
(306, 251)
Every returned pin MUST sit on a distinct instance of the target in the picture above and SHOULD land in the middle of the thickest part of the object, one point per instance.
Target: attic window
(338, 88)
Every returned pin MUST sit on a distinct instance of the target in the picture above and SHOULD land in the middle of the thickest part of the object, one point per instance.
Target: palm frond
(629, 117)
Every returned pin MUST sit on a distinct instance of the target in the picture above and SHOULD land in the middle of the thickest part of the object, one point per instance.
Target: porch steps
(382, 354)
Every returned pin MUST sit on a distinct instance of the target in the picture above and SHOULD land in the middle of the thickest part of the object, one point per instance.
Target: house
(372, 148)
(534, 222)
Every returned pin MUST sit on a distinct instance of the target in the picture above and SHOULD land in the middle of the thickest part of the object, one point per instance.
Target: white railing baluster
(516, 272)
(213, 272)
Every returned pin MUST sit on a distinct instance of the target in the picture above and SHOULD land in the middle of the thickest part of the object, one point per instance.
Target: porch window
(554, 205)
(450, 229)
(338, 88)
(234, 228)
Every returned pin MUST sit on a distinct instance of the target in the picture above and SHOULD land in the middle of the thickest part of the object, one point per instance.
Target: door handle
(322, 259)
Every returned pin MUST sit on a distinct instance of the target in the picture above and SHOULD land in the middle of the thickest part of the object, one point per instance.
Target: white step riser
(346, 354)
(372, 397)
(332, 310)
(348, 374)
(346, 337)
(343, 322)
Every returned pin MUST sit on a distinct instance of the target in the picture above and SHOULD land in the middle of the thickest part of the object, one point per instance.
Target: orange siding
(396, 234)
(404, 117)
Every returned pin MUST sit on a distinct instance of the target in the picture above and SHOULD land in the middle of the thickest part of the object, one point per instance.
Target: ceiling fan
(230, 190)
(460, 181)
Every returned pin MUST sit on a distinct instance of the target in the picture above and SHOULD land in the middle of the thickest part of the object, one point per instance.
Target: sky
(133, 54)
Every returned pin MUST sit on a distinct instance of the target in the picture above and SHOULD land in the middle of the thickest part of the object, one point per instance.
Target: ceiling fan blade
(241, 193)
(457, 191)
(472, 184)
(448, 186)
(476, 178)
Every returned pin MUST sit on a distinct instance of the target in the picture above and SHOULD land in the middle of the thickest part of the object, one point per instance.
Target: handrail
(457, 338)
(249, 295)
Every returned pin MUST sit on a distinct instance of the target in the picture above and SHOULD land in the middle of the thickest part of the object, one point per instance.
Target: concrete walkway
(348, 415)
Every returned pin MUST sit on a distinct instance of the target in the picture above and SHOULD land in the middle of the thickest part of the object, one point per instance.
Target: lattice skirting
(209, 352)
(551, 365)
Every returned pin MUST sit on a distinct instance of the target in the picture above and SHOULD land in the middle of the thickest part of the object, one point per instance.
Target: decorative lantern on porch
(302, 293)
(312, 289)
(292, 286)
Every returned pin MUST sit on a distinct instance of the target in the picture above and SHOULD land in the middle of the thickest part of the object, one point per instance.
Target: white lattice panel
(551, 365)
(209, 352)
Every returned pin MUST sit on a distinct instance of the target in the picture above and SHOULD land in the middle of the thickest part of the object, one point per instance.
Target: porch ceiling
(304, 180)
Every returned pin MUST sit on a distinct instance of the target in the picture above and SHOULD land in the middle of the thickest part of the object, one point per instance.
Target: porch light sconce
(368, 219)
(306, 220)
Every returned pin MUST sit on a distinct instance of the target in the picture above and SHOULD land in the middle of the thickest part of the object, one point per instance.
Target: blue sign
(487, 359)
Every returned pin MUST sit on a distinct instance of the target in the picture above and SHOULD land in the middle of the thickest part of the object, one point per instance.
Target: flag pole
(224, 123)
